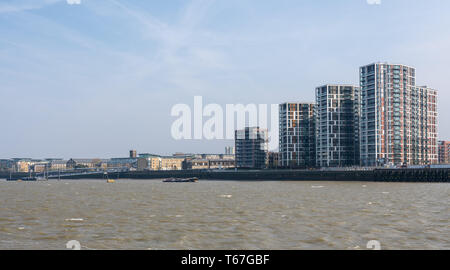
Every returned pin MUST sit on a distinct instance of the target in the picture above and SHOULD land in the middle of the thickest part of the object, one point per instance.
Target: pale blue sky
(100, 78)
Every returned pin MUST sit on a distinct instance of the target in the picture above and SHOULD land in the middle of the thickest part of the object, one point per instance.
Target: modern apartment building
(337, 125)
(444, 152)
(251, 146)
(297, 135)
(398, 122)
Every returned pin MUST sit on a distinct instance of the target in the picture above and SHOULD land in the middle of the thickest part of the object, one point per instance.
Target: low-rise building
(274, 160)
(87, 163)
(444, 152)
(6, 165)
(212, 156)
(209, 164)
(230, 150)
(122, 163)
(57, 165)
(159, 163)
(171, 163)
(23, 165)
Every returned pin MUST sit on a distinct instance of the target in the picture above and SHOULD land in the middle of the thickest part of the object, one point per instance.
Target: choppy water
(223, 215)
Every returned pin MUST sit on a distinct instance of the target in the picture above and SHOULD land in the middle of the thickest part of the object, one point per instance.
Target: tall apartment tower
(337, 126)
(251, 148)
(297, 135)
(398, 123)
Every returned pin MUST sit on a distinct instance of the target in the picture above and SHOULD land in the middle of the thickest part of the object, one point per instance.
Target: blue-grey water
(132, 214)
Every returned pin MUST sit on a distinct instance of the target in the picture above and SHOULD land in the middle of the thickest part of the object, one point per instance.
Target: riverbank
(377, 175)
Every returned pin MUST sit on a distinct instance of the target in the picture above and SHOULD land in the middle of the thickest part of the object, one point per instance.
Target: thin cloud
(25, 5)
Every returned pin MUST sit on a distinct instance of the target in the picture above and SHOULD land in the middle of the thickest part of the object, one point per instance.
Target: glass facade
(297, 135)
(398, 118)
(337, 126)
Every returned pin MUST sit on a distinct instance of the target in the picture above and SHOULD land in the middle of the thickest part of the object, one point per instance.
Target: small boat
(108, 180)
(181, 180)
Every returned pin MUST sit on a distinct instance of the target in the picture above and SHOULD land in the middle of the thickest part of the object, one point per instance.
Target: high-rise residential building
(444, 152)
(251, 146)
(337, 126)
(398, 122)
(133, 154)
(297, 135)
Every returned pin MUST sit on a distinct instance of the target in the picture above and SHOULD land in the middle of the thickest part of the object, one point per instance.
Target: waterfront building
(230, 150)
(148, 162)
(23, 165)
(196, 164)
(222, 164)
(40, 166)
(208, 164)
(209, 161)
(251, 146)
(398, 124)
(6, 165)
(183, 155)
(87, 163)
(133, 154)
(337, 125)
(129, 163)
(444, 152)
(297, 135)
(213, 156)
(274, 160)
(57, 165)
(171, 163)
(152, 162)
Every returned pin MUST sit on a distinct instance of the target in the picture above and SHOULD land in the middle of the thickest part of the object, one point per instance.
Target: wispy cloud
(24, 5)
(78, 71)
(183, 51)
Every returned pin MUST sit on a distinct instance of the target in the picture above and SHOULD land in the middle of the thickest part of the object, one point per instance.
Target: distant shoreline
(433, 175)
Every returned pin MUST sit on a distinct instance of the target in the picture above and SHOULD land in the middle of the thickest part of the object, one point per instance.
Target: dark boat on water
(25, 179)
(181, 180)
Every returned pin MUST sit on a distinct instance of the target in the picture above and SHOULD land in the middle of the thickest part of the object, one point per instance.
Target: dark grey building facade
(297, 135)
(251, 146)
(337, 125)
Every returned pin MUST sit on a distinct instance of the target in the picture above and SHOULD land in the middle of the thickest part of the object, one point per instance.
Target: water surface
(131, 214)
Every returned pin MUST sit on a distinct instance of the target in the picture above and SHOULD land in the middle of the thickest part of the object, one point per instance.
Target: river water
(131, 214)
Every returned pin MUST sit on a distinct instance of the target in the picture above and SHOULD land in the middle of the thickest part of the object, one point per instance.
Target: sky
(96, 78)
